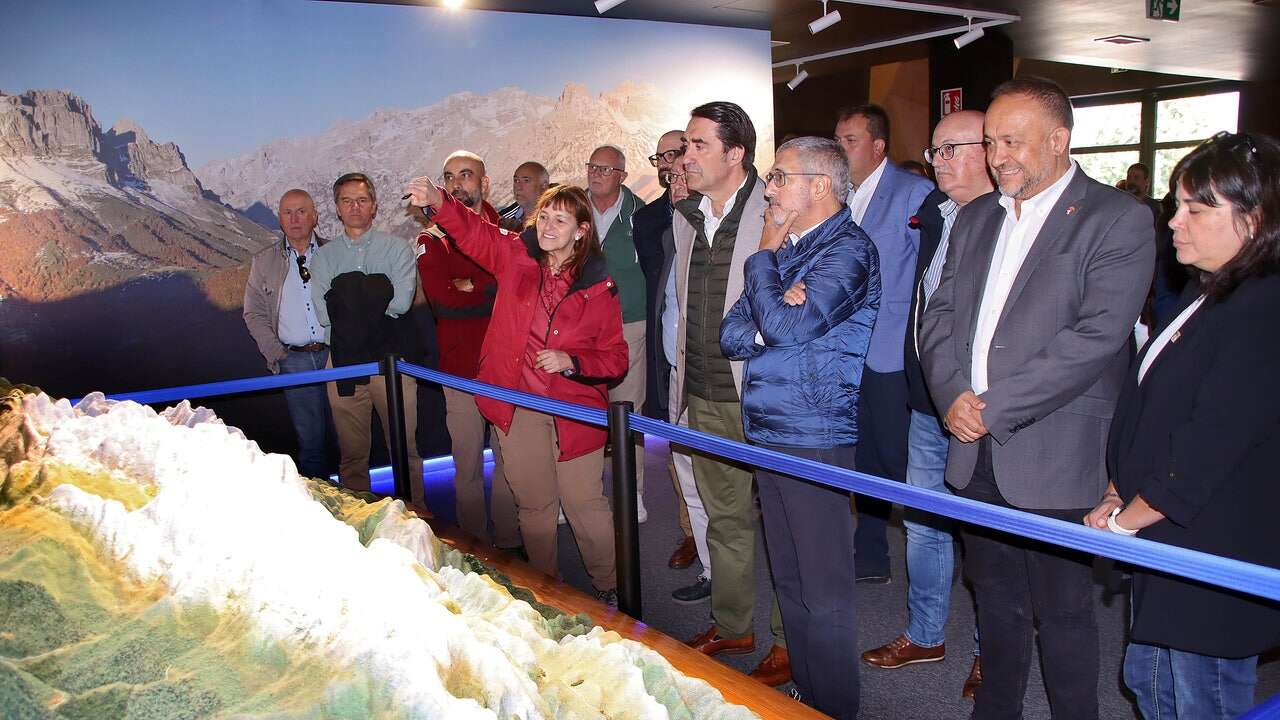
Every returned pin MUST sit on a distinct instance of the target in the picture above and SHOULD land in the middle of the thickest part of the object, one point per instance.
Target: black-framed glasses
(303, 272)
(779, 177)
(667, 156)
(946, 151)
(602, 170)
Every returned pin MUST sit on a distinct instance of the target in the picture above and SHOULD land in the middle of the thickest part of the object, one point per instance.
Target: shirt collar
(705, 204)
(1044, 200)
(948, 208)
(874, 177)
(311, 246)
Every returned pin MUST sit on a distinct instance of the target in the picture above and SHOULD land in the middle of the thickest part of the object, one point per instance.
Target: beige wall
(902, 89)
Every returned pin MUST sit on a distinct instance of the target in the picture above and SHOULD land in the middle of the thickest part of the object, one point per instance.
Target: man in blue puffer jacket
(803, 326)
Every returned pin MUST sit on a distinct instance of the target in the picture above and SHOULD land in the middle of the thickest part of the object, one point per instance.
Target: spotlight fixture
(454, 4)
(801, 76)
(827, 20)
(973, 34)
(604, 6)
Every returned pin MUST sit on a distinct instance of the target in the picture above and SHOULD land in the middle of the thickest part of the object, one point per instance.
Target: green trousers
(727, 492)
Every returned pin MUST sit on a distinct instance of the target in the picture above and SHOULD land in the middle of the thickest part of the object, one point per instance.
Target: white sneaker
(641, 513)
(560, 520)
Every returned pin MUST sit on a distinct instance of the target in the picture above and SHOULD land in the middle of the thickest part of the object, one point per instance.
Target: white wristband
(1114, 527)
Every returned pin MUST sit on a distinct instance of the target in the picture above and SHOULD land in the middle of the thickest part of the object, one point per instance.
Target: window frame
(1147, 145)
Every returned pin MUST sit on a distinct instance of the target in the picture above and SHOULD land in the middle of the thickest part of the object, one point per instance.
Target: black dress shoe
(695, 593)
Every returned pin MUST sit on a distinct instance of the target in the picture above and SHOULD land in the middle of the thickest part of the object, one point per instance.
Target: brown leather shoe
(902, 652)
(972, 682)
(775, 668)
(686, 552)
(711, 643)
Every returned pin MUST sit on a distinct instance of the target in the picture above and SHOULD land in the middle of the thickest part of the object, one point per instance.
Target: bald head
(670, 148)
(528, 183)
(297, 213)
(963, 176)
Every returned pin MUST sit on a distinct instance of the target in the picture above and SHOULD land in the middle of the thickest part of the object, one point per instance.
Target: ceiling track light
(604, 6)
(801, 76)
(827, 20)
(973, 34)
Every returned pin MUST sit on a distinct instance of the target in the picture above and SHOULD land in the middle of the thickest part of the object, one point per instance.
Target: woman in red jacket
(556, 331)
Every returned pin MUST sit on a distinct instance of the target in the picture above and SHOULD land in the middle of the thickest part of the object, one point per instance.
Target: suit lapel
(878, 205)
(1064, 215)
(984, 248)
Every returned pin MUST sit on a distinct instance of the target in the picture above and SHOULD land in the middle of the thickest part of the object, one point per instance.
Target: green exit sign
(1164, 9)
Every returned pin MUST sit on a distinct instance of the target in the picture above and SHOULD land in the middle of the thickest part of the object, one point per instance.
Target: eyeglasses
(303, 272)
(602, 170)
(946, 151)
(779, 177)
(668, 156)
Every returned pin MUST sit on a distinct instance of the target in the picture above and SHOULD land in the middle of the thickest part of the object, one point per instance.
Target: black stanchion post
(400, 470)
(626, 525)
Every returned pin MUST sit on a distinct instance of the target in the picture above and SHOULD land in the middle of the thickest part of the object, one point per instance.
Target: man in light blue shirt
(361, 249)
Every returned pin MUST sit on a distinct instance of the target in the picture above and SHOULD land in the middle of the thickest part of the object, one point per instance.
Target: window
(1154, 127)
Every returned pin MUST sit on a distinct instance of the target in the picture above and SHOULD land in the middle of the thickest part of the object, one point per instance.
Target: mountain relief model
(159, 565)
(82, 209)
(505, 127)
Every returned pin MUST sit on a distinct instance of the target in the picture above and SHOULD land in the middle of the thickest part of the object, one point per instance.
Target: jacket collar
(688, 207)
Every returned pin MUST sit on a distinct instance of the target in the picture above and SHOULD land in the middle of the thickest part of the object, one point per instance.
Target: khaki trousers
(726, 493)
(542, 485)
(467, 432)
(632, 388)
(351, 419)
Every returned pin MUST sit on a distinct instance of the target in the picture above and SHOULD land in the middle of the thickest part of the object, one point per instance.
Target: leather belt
(310, 347)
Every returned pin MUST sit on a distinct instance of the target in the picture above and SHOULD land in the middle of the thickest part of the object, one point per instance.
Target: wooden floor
(736, 687)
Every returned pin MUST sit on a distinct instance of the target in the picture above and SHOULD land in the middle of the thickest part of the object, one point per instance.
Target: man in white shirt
(1025, 345)
(883, 198)
(715, 230)
(281, 317)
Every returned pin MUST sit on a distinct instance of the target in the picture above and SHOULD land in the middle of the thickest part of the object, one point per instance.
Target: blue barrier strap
(573, 411)
(232, 387)
(1224, 572)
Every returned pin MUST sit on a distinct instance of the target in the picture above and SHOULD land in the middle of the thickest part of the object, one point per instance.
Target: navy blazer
(931, 226)
(1198, 440)
(897, 197)
(648, 227)
(801, 387)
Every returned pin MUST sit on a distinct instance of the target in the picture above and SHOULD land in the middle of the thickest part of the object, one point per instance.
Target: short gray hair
(824, 156)
(622, 157)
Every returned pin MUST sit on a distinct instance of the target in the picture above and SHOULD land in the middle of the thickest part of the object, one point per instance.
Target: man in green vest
(716, 228)
(612, 206)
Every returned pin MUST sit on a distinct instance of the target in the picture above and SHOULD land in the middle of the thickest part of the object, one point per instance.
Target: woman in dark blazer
(1194, 452)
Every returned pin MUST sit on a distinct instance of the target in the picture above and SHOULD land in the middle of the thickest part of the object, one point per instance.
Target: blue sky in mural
(297, 66)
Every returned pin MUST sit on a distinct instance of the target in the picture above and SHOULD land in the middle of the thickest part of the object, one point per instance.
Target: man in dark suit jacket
(651, 230)
(959, 161)
(1025, 345)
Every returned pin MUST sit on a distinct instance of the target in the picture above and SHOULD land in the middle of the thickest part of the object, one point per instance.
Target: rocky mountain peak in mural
(84, 210)
(506, 127)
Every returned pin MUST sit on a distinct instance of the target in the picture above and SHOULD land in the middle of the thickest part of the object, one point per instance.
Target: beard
(466, 198)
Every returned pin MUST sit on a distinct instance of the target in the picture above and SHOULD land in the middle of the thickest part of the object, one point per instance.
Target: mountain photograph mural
(135, 189)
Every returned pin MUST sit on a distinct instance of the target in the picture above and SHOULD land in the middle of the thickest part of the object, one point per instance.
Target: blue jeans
(1173, 684)
(309, 411)
(930, 551)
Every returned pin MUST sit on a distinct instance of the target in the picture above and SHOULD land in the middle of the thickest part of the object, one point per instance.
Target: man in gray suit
(1024, 345)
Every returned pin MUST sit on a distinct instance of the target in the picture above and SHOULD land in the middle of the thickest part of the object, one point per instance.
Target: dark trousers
(883, 420)
(809, 537)
(1023, 586)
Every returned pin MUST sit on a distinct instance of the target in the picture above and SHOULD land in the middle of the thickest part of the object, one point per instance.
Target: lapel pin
(1176, 334)
(1071, 209)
